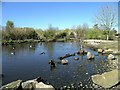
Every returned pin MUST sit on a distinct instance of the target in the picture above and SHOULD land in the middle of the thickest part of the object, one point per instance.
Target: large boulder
(90, 56)
(42, 86)
(30, 84)
(15, 85)
(111, 57)
(35, 84)
(107, 79)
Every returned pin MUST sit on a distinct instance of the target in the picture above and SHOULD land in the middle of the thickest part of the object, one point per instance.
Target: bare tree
(81, 30)
(106, 18)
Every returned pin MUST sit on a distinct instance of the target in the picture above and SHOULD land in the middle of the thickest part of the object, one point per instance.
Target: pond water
(27, 63)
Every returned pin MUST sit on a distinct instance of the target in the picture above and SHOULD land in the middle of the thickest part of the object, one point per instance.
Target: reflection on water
(52, 68)
(28, 63)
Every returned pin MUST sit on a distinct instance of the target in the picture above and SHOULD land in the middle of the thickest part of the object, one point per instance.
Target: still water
(27, 63)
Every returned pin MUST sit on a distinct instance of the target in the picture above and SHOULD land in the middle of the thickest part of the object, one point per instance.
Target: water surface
(27, 63)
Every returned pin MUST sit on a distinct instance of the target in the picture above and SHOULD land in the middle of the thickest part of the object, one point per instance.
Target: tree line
(10, 32)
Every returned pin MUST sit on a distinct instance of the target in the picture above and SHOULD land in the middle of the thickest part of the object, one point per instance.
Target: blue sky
(59, 14)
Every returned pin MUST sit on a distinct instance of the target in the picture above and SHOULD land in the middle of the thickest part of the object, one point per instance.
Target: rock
(108, 51)
(116, 52)
(72, 87)
(76, 58)
(39, 79)
(42, 86)
(86, 86)
(68, 87)
(15, 85)
(90, 56)
(67, 55)
(107, 79)
(110, 57)
(65, 87)
(30, 84)
(81, 84)
(100, 50)
(64, 61)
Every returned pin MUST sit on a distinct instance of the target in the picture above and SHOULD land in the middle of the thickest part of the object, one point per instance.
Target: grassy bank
(101, 44)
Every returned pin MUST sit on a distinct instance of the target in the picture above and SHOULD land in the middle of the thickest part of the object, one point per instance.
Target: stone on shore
(115, 52)
(111, 57)
(107, 79)
(30, 84)
(42, 86)
(35, 84)
(15, 85)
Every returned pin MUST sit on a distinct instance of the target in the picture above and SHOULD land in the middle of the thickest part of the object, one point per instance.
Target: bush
(94, 34)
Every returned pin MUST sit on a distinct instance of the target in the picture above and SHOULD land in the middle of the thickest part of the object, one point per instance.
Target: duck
(12, 53)
(52, 63)
(42, 53)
